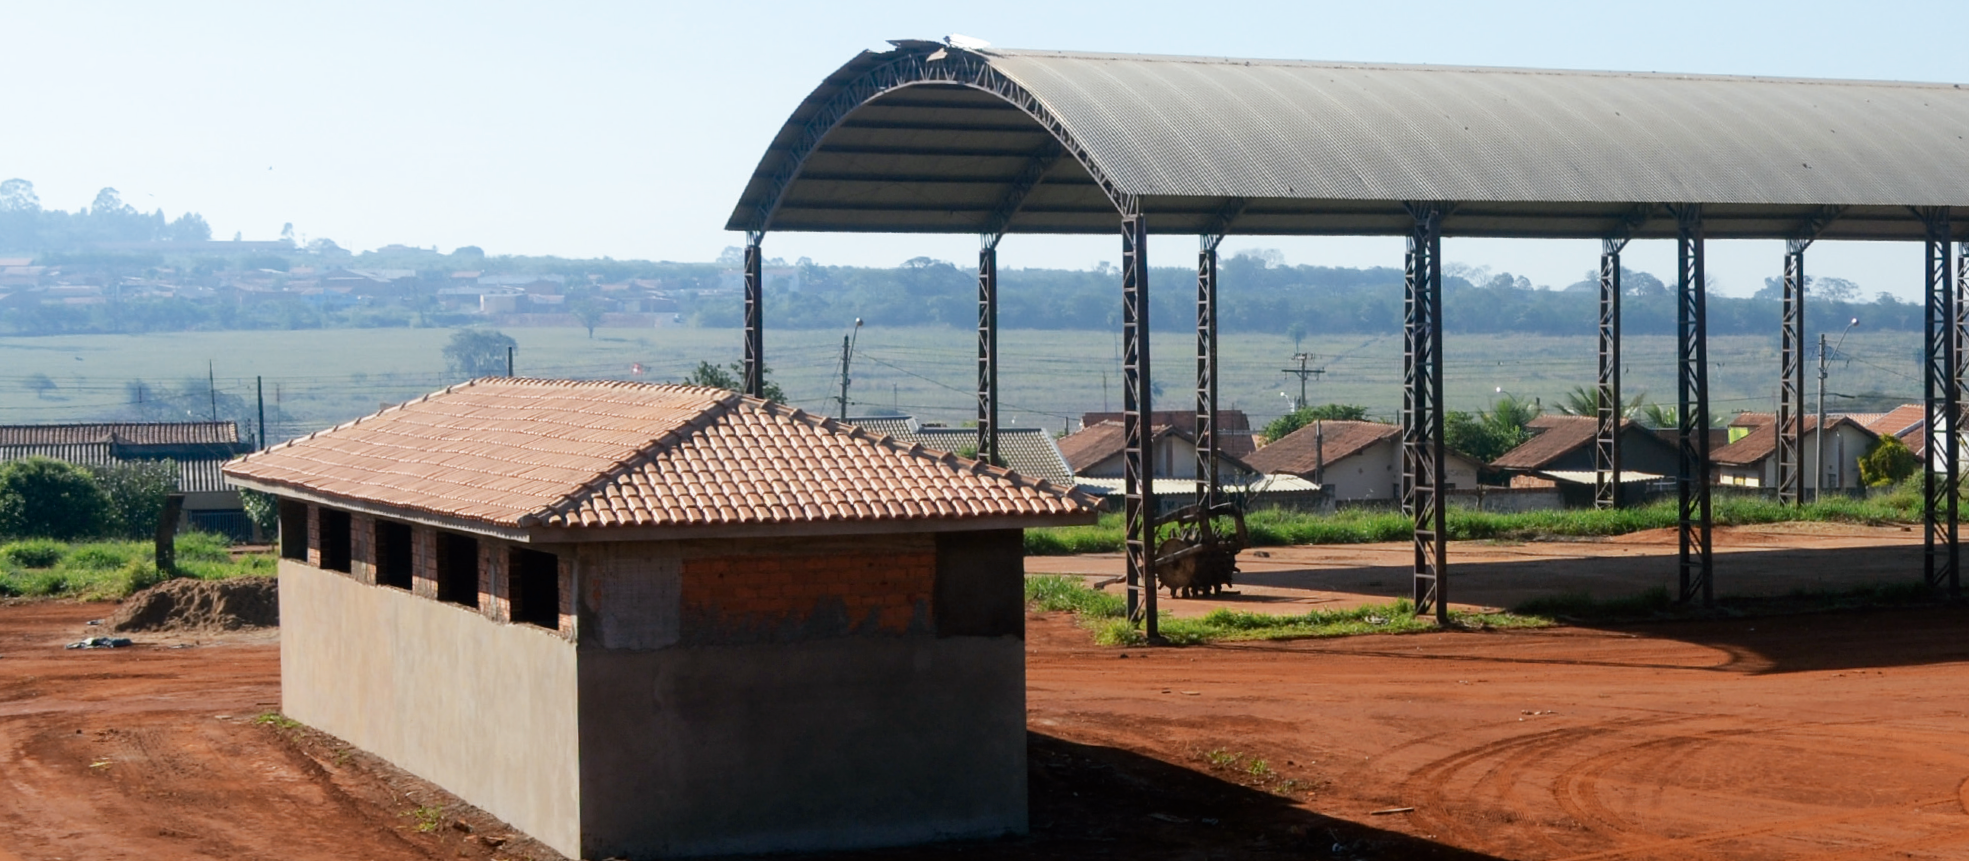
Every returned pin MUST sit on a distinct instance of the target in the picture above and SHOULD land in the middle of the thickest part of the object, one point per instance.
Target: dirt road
(1815, 736)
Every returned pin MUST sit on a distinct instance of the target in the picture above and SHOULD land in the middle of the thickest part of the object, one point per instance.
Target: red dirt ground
(1836, 735)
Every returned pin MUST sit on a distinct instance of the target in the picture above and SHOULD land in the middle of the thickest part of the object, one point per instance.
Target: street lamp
(1818, 433)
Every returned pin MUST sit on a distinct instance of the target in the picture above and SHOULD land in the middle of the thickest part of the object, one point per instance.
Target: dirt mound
(201, 605)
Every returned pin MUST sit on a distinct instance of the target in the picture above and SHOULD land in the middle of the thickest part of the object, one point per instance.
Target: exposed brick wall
(568, 597)
(362, 548)
(799, 596)
(495, 587)
(314, 535)
(424, 562)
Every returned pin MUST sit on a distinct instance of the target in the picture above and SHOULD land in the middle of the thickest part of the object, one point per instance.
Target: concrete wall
(1375, 473)
(801, 695)
(1508, 499)
(485, 709)
(1844, 447)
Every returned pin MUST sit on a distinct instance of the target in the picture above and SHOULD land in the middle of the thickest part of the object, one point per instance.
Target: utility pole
(847, 356)
(1302, 372)
(1818, 433)
(212, 388)
(509, 361)
(260, 395)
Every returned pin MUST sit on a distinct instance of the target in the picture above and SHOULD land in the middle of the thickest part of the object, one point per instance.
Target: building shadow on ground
(1096, 801)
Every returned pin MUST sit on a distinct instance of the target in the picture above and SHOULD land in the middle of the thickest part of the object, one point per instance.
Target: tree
(1888, 462)
(588, 311)
(1297, 332)
(477, 353)
(135, 491)
(38, 383)
(1488, 435)
(1585, 401)
(17, 195)
(108, 202)
(189, 227)
(46, 498)
(707, 374)
(1304, 416)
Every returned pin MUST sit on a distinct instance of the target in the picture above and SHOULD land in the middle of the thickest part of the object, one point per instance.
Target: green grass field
(113, 570)
(318, 378)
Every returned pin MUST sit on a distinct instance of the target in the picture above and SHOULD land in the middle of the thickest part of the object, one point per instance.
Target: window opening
(394, 558)
(533, 583)
(333, 529)
(458, 569)
(293, 530)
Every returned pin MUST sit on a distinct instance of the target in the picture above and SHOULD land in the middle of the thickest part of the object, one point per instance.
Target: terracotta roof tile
(1297, 453)
(1553, 437)
(1233, 427)
(1759, 444)
(127, 433)
(523, 453)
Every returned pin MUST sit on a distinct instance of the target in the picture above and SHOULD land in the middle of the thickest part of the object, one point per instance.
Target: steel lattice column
(988, 351)
(1692, 390)
(1424, 483)
(1606, 442)
(1791, 379)
(1138, 438)
(755, 338)
(1206, 371)
(1941, 380)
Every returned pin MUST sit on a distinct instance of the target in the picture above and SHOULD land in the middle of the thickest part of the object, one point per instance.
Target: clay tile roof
(1091, 445)
(1900, 420)
(1553, 437)
(128, 433)
(523, 453)
(1759, 444)
(1233, 427)
(1297, 452)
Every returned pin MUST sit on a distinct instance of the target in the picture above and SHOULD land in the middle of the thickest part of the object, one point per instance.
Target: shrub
(1889, 461)
(136, 492)
(34, 553)
(97, 557)
(45, 498)
(261, 508)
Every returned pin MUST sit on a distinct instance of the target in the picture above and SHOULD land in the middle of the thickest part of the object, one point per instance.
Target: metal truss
(949, 66)
(755, 333)
(1791, 378)
(1606, 439)
(1424, 481)
(1692, 399)
(1941, 388)
(988, 350)
(1138, 438)
(1206, 371)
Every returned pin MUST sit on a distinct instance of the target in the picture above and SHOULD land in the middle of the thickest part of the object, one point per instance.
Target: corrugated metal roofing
(1030, 452)
(1315, 147)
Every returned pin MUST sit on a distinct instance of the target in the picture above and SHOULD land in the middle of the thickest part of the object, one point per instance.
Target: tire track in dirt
(1684, 844)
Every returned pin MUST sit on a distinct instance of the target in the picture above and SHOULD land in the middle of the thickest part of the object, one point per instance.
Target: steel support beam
(1206, 371)
(1424, 481)
(1941, 392)
(1694, 520)
(1606, 439)
(1791, 378)
(988, 351)
(755, 338)
(1138, 437)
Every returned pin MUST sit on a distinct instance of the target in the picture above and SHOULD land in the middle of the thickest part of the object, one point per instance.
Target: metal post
(1818, 431)
(1791, 377)
(755, 340)
(1606, 445)
(988, 350)
(1206, 371)
(1424, 481)
(1138, 445)
(1940, 381)
(1692, 389)
(260, 397)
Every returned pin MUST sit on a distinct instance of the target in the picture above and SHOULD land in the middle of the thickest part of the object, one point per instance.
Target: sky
(628, 129)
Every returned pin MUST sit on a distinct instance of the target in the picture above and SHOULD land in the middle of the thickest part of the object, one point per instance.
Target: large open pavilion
(955, 137)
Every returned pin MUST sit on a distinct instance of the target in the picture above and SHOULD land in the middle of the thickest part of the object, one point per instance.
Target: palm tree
(1585, 401)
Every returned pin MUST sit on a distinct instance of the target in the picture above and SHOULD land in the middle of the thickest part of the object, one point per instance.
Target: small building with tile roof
(197, 449)
(658, 620)
(1234, 435)
(1751, 459)
(1095, 452)
(1354, 461)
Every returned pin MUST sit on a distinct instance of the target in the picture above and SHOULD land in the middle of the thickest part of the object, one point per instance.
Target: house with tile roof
(1560, 454)
(655, 620)
(1234, 436)
(1095, 452)
(1354, 461)
(1751, 458)
(198, 449)
(1029, 452)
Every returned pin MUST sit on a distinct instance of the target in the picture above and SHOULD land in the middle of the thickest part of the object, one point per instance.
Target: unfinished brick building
(662, 620)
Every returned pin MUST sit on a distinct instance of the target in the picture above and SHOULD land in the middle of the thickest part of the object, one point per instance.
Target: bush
(1888, 462)
(263, 509)
(34, 553)
(45, 498)
(136, 492)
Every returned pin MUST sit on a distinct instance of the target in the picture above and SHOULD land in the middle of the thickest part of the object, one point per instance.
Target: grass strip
(113, 570)
(1103, 614)
(1278, 527)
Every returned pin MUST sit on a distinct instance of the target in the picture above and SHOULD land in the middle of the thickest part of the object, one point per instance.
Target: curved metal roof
(928, 138)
